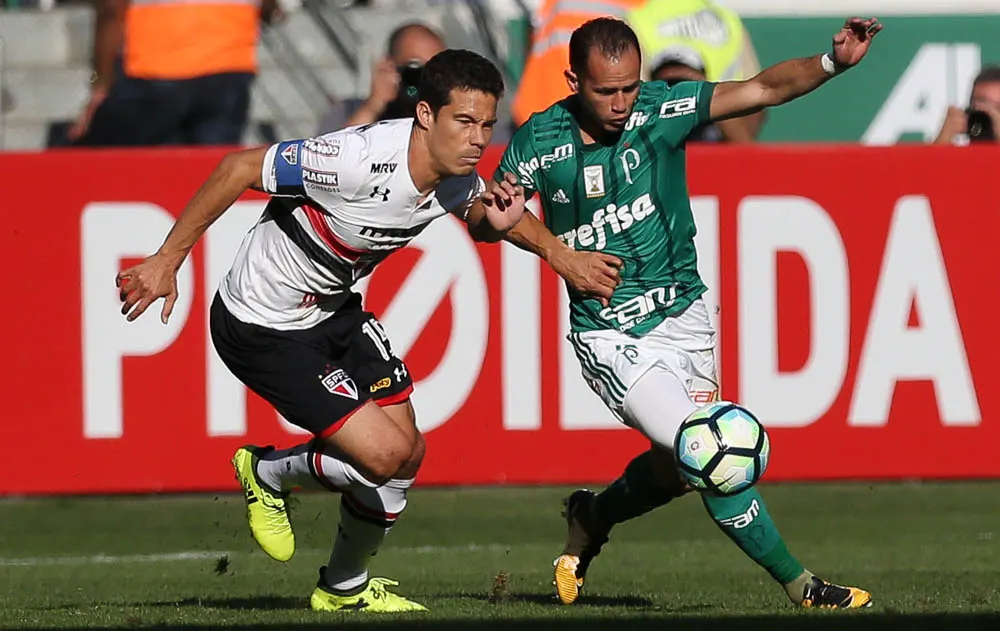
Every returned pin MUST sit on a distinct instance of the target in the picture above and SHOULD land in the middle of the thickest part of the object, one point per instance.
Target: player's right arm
(591, 274)
(156, 276)
(295, 168)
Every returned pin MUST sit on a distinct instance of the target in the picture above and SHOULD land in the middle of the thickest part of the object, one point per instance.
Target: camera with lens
(980, 128)
(405, 103)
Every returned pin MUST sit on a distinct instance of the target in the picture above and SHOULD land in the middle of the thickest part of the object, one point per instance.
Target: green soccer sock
(635, 493)
(745, 520)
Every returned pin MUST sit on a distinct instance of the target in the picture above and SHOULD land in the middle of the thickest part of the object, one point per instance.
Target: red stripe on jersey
(318, 223)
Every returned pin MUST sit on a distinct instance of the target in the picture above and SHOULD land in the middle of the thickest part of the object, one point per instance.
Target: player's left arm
(497, 209)
(791, 79)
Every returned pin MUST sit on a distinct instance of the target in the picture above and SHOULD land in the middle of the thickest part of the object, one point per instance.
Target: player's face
(461, 130)
(609, 87)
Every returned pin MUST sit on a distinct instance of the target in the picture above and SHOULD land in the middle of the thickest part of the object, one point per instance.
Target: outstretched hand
(141, 285)
(851, 43)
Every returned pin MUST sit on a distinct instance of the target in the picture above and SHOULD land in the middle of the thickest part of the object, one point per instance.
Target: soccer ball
(722, 449)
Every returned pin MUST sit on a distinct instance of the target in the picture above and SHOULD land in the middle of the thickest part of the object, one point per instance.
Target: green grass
(929, 553)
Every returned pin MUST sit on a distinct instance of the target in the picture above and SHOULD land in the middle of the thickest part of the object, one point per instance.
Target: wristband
(829, 65)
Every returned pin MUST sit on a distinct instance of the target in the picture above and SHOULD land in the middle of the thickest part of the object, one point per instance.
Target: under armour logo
(400, 372)
(384, 193)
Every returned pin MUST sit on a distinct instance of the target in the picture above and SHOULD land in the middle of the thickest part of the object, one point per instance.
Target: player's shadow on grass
(633, 602)
(847, 621)
(246, 604)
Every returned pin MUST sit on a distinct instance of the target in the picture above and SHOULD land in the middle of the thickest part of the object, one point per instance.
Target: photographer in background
(979, 123)
(675, 64)
(394, 81)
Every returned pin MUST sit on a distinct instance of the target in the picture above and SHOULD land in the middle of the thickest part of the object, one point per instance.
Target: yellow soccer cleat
(267, 511)
(374, 598)
(822, 595)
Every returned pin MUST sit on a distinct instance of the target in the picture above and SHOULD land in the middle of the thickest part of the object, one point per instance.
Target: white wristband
(829, 65)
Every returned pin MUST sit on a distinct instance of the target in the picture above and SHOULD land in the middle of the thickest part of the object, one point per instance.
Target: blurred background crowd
(225, 72)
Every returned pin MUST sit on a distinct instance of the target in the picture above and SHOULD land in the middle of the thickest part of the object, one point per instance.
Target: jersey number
(374, 330)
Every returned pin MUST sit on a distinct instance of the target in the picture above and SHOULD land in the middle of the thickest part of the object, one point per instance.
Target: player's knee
(409, 469)
(417, 455)
(392, 456)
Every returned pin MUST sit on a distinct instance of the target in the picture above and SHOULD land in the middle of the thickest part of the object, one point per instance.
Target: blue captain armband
(288, 168)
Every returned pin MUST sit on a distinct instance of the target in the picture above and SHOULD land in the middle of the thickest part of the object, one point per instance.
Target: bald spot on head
(414, 42)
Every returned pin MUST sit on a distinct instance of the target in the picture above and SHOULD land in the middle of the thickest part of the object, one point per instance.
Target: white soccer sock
(304, 467)
(366, 517)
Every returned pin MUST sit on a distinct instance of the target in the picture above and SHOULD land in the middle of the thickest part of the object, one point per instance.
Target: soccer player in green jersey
(608, 163)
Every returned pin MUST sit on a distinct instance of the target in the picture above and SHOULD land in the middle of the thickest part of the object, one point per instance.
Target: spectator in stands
(394, 80)
(680, 63)
(715, 34)
(981, 121)
(542, 82)
(183, 76)
(705, 31)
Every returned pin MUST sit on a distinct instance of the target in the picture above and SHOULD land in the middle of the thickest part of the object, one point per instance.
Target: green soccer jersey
(629, 200)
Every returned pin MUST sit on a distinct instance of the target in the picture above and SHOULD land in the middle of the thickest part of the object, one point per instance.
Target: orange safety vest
(543, 83)
(183, 39)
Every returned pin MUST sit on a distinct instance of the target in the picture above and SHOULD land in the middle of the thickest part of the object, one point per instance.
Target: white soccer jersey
(341, 203)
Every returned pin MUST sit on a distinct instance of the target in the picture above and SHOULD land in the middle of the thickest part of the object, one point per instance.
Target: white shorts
(679, 358)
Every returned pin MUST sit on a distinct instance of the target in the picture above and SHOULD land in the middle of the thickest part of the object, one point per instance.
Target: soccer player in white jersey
(286, 322)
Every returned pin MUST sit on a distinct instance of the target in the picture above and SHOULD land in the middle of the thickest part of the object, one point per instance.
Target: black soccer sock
(635, 493)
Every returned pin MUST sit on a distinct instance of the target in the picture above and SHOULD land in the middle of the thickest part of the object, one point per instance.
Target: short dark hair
(456, 69)
(989, 74)
(400, 31)
(610, 36)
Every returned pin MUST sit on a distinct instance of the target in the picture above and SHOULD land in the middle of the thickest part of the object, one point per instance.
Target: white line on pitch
(201, 555)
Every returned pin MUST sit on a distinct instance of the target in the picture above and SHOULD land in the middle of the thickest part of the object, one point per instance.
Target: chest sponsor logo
(384, 168)
(390, 238)
(613, 218)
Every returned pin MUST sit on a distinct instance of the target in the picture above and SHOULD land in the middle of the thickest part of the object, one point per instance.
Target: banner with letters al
(918, 66)
(857, 319)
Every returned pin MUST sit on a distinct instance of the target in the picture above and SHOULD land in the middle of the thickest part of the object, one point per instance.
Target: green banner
(900, 92)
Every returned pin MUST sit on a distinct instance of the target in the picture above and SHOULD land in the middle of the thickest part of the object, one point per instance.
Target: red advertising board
(856, 293)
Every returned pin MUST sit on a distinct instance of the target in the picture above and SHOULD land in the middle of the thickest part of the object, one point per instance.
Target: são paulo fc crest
(337, 382)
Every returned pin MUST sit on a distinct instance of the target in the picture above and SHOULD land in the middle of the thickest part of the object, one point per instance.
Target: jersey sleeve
(517, 159)
(685, 107)
(456, 194)
(322, 168)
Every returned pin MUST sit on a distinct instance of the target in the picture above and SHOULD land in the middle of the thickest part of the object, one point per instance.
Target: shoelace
(378, 588)
(277, 516)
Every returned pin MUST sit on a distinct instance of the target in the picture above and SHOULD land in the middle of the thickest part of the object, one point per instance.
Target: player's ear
(425, 115)
(572, 80)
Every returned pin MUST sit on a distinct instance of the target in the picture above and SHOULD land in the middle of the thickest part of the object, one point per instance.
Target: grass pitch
(480, 559)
